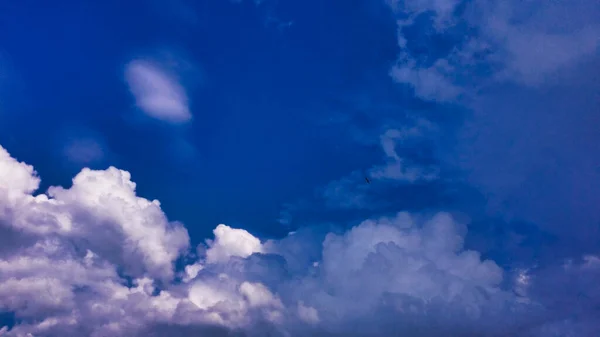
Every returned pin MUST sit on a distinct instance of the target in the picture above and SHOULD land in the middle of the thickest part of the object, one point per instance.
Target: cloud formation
(507, 41)
(95, 260)
(156, 92)
(526, 74)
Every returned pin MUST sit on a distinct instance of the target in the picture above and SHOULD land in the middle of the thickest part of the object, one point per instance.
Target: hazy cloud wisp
(157, 93)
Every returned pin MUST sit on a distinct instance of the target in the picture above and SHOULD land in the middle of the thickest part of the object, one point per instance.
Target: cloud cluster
(156, 92)
(95, 260)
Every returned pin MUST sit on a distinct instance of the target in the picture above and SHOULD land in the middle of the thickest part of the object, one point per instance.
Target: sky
(300, 168)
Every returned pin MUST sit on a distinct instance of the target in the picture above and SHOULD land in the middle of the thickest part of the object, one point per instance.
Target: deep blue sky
(262, 98)
(257, 99)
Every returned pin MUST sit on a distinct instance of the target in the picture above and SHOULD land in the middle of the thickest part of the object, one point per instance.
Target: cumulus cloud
(157, 93)
(100, 210)
(230, 242)
(95, 259)
(16, 177)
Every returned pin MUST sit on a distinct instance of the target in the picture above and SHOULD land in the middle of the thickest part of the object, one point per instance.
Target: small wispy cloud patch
(80, 146)
(83, 151)
(356, 191)
(349, 192)
(157, 93)
(396, 167)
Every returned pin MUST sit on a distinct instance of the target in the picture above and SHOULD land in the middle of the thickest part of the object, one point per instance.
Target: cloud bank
(95, 259)
(491, 42)
(156, 92)
(526, 72)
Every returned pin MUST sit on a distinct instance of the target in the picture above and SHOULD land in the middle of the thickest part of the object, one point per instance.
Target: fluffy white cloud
(415, 269)
(97, 260)
(230, 242)
(157, 93)
(16, 177)
(99, 210)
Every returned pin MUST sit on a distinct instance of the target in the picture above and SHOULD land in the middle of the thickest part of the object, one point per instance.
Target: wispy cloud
(508, 41)
(80, 145)
(84, 151)
(396, 167)
(355, 190)
(157, 92)
(527, 73)
(349, 192)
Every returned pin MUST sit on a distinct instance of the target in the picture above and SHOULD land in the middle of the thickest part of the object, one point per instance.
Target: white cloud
(100, 209)
(157, 93)
(16, 177)
(191, 271)
(75, 249)
(308, 314)
(412, 255)
(108, 197)
(231, 242)
(232, 303)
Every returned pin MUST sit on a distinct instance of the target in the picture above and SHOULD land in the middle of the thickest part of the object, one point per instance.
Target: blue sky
(476, 120)
(261, 96)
